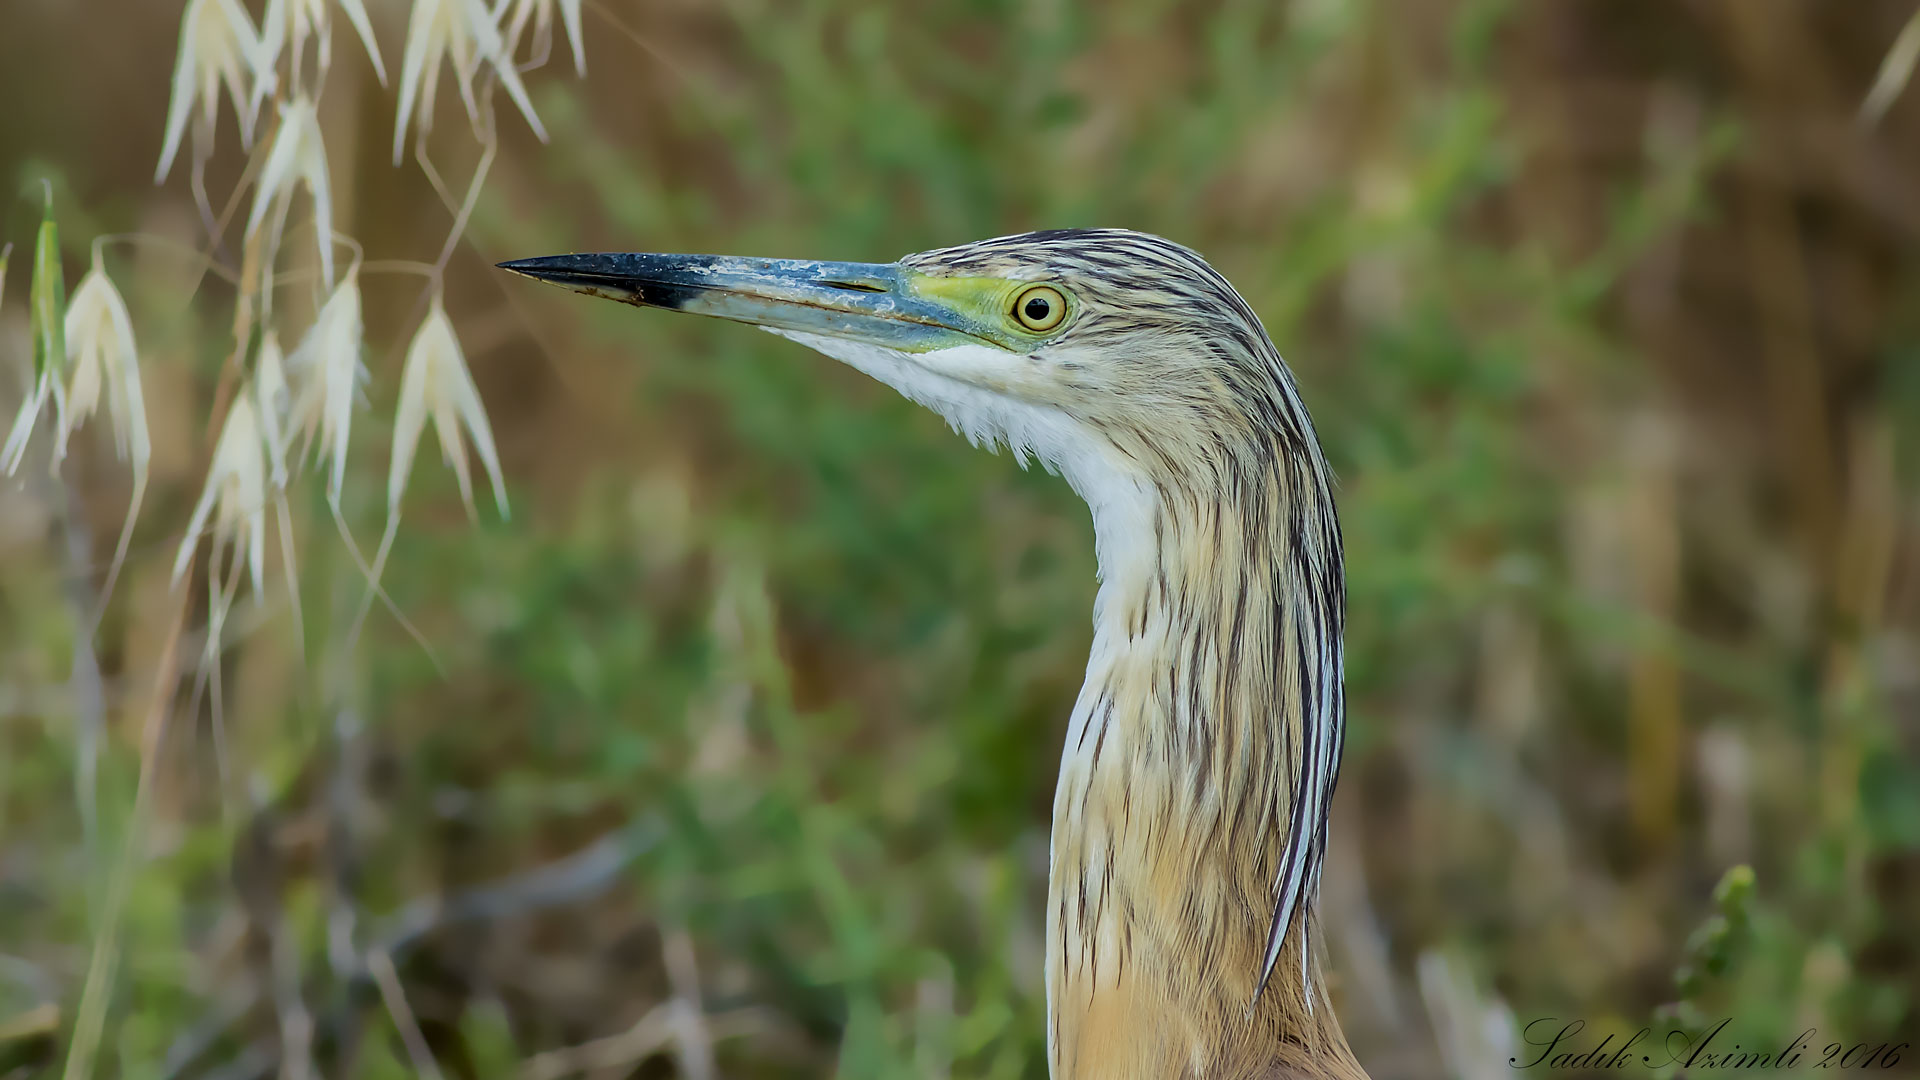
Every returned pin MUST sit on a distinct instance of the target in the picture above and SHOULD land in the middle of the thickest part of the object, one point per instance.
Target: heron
(1190, 813)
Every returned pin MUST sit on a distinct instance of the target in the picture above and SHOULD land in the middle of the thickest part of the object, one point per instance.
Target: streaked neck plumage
(1216, 654)
(1189, 819)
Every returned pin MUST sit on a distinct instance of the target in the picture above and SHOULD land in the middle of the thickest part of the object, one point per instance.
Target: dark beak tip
(576, 269)
(568, 270)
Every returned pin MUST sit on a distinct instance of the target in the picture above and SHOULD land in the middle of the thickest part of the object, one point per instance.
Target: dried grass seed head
(298, 157)
(466, 33)
(235, 496)
(324, 373)
(218, 46)
(289, 23)
(101, 354)
(436, 384)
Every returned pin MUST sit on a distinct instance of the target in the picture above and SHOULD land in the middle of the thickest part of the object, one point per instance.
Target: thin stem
(290, 570)
(381, 966)
(204, 258)
(688, 1014)
(211, 659)
(661, 56)
(373, 578)
(275, 226)
(91, 1015)
(242, 334)
(119, 552)
(473, 196)
(386, 601)
(88, 692)
(401, 266)
(352, 245)
(296, 1022)
(215, 225)
(432, 174)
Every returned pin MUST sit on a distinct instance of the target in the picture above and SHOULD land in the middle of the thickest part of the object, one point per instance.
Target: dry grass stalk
(380, 965)
(86, 357)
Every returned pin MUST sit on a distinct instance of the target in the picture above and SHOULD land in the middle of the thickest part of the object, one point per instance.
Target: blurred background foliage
(731, 754)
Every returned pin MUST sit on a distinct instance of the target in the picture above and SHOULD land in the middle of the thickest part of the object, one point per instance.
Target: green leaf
(48, 300)
(1734, 895)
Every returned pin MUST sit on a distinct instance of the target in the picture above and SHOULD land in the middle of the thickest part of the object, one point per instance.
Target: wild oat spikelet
(217, 45)
(436, 384)
(465, 32)
(235, 497)
(325, 371)
(297, 157)
(101, 353)
(289, 23)
(273, 401)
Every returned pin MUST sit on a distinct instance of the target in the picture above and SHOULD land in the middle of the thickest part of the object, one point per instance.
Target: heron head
(1087, 348)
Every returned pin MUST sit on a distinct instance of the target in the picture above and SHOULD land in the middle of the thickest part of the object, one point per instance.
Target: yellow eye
(1040, 308)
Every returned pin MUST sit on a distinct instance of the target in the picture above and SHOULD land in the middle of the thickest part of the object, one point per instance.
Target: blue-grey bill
(866, 302)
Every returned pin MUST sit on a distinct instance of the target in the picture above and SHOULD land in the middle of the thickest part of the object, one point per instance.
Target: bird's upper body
(1190, 814)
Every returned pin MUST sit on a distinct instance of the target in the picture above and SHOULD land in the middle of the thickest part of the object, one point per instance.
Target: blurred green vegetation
(1606, 314)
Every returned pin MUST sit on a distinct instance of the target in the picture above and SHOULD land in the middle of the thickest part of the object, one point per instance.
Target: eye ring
(1039, 308)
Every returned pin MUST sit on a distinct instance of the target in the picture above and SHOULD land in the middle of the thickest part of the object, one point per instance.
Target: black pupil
(1038, 309)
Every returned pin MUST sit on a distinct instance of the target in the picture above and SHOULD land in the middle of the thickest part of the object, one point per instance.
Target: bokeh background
(731, 752)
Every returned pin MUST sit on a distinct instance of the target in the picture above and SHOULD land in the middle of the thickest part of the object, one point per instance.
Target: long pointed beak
(867, 302)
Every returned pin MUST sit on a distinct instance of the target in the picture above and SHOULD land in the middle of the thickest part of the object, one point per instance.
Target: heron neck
(1174, 792)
